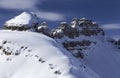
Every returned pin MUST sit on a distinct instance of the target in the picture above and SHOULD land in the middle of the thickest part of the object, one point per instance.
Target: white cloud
(18, 4)
(111, 26)
(30, 5)
(50, 16)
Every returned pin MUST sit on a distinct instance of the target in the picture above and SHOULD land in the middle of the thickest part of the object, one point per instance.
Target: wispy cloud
(18, 4)
(50, 16)
(111, 26)
(30, 5)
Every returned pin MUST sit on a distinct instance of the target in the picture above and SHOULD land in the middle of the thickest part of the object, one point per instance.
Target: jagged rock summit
(43, 28)
(77, 28)
(67, 34)
(22, 22)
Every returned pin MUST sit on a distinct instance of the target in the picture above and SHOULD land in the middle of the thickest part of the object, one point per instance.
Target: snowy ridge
(43, 58)
(24, 18)
(33, 55)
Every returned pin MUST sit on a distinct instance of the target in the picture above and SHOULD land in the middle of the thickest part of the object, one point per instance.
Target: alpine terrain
(80, 49)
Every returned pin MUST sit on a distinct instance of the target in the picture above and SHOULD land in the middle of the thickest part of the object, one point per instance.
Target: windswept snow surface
(104, 59)
(40, 57)
(25, 18)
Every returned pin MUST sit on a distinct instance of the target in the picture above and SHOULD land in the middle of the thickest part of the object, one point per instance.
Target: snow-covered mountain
(24, 18)
(76, 50)
(24, 21)
(33, 55)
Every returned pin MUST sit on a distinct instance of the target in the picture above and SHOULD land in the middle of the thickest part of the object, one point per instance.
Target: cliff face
(82, 27)
(78, 27)
(78, 36)
(43, 28)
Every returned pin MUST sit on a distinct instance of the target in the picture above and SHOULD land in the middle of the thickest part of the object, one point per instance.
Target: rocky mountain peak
(43, 24)
(77, 27)
(78, 36)
(63, 25)
(82, 27)
(43, 28)
(23, 21)
(74, 23)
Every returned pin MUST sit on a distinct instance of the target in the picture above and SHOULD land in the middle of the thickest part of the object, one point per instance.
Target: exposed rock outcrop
(81, 29)
(43, 28)
(22, 22)
(69, 35)
(77, 28)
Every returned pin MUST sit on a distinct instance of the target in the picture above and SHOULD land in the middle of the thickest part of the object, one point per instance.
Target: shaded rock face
(65, 30)
(117, 43)
(21, 28)
(114, 42)
(77, 48)
(78, 28)
(90, 28)
(71, 36)
(67, 34)
(57, 33)
(43, 28)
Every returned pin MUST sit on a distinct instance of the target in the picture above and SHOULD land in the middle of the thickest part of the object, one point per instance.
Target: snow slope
(104, 59)
(24, 18)
(38, 56)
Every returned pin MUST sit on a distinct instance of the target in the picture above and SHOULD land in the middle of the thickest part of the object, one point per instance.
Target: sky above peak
(104, 12)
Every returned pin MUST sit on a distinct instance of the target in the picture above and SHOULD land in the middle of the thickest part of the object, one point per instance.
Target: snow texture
(24, 18)
(39, 57)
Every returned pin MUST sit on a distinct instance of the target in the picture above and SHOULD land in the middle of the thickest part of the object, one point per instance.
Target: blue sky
(104, 12)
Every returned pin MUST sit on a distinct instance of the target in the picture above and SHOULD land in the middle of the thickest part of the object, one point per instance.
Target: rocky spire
(74, 23)
(63, 25)
(43, 28)
(43, 25)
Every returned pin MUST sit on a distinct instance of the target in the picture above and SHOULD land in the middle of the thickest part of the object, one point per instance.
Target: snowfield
(104, 59)
(34, 55)
(24, 18)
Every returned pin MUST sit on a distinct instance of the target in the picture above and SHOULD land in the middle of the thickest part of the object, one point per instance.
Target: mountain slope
(76, 50)
(99, 55)
(25, 18)
(104, 60)
(33, 55)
